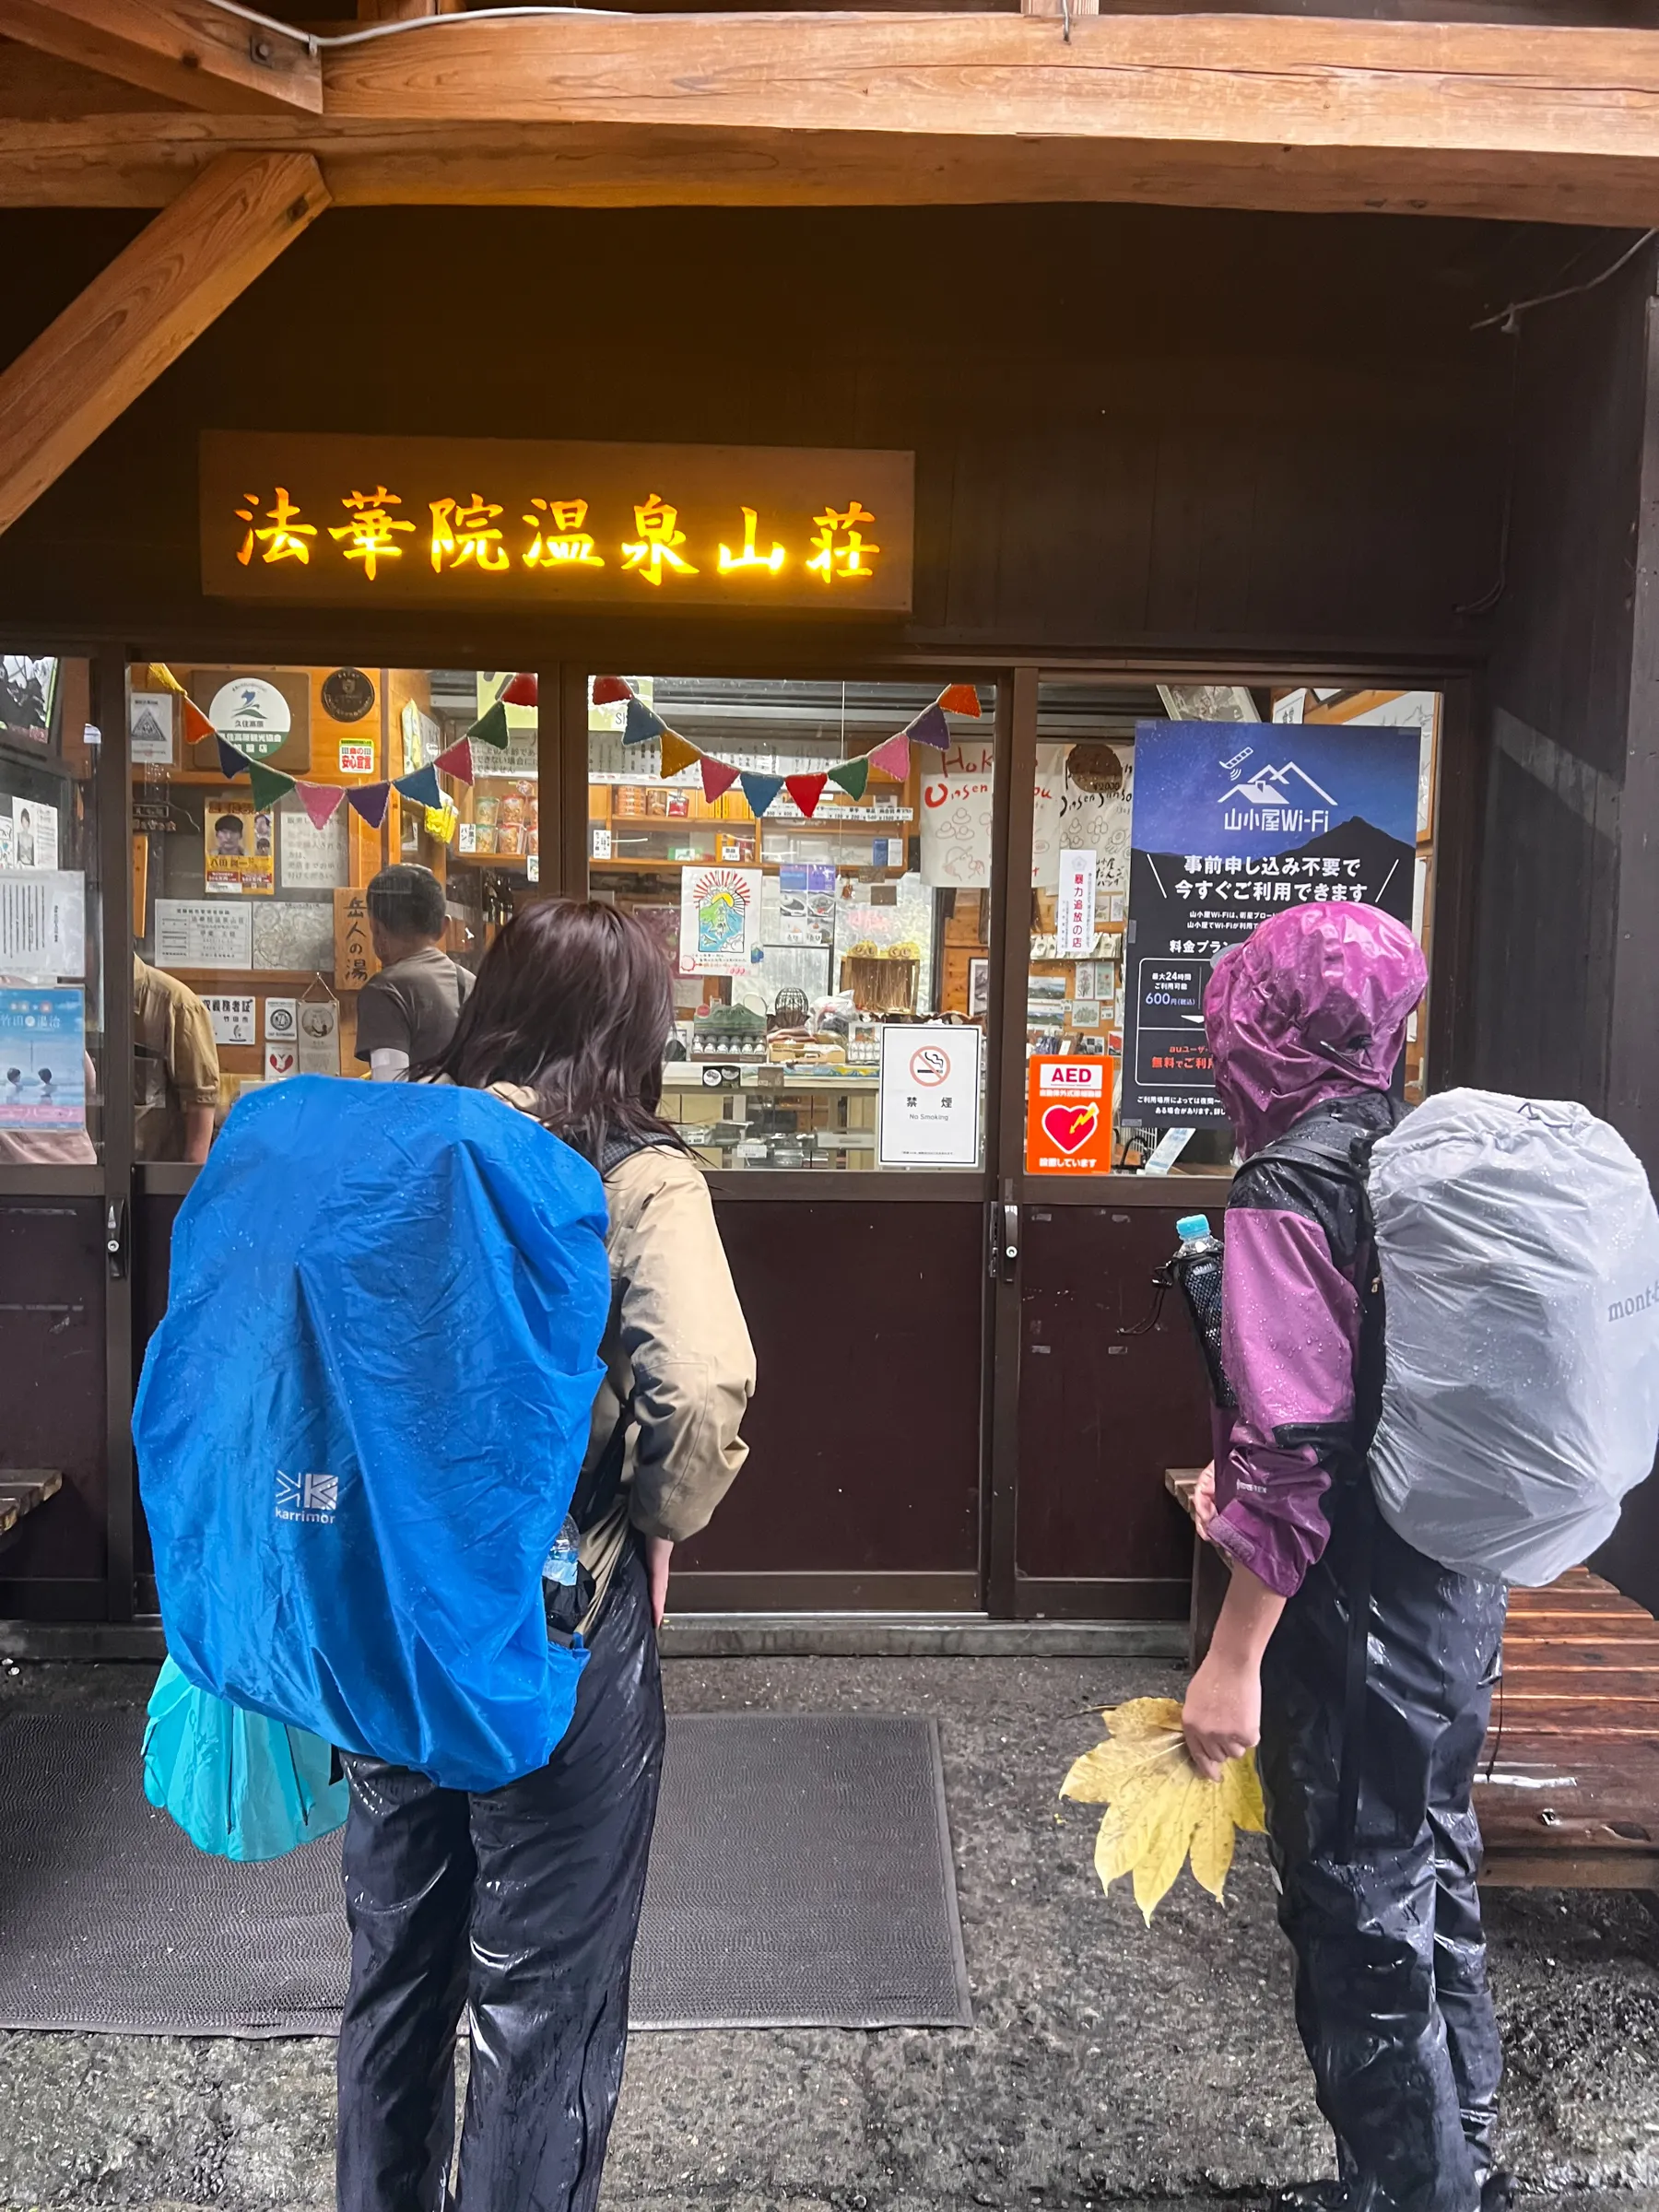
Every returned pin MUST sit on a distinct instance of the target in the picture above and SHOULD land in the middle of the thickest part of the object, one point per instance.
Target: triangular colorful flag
(269, 783)
(960, 698)
(678, 752)
(892, 758)
(458, 760)
(931, 728)
(197, 728)
(760, 791)
(421, 786)
(371, 800)
(852, 776)
(806, 791)
(158, 677)
(231, 762)
(322, 802)
(522, 691)
(718, 777)
(491, 728)
(640, 726)
(610, 691)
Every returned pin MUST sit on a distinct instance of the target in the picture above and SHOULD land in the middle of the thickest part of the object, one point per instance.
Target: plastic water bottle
(1198, 1270)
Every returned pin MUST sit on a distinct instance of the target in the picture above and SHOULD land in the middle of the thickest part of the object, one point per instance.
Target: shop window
(820, 880)
(52, 1057)
(266, 801)
(1129, 909)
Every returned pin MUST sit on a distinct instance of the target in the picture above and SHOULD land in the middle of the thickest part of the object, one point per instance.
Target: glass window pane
(251, 923)
(829, 940)
(1085, 960)
(51, 1002)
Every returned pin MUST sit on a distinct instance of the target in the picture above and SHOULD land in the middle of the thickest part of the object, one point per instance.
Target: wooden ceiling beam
(184, 50)
(136, 317)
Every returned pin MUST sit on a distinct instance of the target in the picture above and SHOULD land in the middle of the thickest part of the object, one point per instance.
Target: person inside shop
(175, 1068)
(524, 1904)
(407, 1014)
(1369, 1744)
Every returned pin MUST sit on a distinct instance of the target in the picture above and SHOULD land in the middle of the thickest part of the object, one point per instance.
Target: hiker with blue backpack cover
(479, 1364)
(1382, 1471)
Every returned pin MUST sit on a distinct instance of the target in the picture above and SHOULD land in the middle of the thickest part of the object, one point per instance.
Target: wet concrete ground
(1108, 2062)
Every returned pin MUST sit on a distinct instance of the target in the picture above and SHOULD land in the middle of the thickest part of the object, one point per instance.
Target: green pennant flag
(852, 776)
(491, 728)
(269, 783)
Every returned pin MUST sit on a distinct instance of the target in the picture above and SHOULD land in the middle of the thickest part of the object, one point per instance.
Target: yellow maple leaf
(1159, 1807)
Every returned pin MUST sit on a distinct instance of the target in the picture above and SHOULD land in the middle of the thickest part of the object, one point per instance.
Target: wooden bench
(1568, 1794)
(23, 1490)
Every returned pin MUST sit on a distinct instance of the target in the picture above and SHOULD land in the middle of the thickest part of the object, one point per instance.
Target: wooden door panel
(52, 1401)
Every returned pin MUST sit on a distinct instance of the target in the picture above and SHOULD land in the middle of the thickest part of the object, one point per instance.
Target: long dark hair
(573, 1003)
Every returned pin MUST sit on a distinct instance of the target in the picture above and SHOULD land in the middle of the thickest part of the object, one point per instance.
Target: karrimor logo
(307, 1497)
(1625, 1309)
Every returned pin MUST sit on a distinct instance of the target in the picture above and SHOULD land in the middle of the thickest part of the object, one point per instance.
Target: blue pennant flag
(231, 762)
(760, 791)
(421, 786)
(640, 726)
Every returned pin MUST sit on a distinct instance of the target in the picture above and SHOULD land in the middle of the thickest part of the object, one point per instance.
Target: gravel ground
(1107, 2061)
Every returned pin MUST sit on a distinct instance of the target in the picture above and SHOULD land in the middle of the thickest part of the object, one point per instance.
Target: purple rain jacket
(1307, 1021)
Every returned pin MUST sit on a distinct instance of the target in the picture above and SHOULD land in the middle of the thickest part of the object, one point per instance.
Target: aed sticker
(1068, 1115)
(357, 758)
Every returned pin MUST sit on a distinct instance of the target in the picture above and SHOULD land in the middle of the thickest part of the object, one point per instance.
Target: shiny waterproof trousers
(521, 1906)
(1377, 1883)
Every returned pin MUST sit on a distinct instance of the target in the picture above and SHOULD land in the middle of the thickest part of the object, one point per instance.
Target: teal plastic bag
(239, 1785)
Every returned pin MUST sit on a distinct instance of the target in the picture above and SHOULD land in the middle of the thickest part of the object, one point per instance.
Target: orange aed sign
(1068, 1116)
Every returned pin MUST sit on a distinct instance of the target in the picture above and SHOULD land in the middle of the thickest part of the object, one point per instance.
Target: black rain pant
(521, 1906)
(1391, 1985)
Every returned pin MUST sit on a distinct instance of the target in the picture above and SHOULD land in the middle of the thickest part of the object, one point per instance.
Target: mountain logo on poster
(1274, 799)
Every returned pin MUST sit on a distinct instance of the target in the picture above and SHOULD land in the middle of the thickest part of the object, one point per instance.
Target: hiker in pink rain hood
(1362, 1669)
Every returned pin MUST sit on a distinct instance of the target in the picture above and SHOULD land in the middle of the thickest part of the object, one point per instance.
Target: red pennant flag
(457, 761)
(522, 691)
(806, 791)
(717, 778)
(960, 698)
(610, 691)
(371, 800)
(322, 802)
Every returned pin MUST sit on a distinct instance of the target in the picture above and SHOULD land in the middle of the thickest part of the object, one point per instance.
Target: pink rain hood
(1312, 1007)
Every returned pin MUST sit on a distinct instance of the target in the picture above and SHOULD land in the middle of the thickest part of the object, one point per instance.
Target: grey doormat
(800, 1877)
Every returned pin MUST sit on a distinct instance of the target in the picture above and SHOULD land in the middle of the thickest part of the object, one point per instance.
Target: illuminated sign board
(524, 523)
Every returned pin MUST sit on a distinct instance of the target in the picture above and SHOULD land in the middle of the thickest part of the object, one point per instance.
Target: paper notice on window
(1074, 910)
(201, 932)
(42, 922)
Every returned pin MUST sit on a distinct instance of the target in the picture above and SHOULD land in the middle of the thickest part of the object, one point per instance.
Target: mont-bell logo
(1269, 798)
(307, 1497)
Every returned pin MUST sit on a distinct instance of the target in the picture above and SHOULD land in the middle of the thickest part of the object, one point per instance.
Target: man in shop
(407, 1014)
(175, 1068)
(1369, 1740)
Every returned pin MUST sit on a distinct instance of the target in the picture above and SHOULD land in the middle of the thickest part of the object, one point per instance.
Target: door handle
(1005, 1255)
(116, 1239)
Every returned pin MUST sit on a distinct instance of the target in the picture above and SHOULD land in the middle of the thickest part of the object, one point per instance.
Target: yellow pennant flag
(1158, 1807)
(677, 753)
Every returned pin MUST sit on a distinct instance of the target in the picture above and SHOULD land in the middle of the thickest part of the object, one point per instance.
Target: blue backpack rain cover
(362, 1417)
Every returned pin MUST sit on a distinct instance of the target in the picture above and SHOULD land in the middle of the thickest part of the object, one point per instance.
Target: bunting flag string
(640, 726)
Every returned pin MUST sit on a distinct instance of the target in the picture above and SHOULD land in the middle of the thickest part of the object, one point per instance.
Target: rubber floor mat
(800, 1877)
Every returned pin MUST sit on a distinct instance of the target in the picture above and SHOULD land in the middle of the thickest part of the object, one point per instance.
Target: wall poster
(238, 839)
(42, 1060)
(720, 921)
(1233, 823)
(200, 933)
(929, 1112)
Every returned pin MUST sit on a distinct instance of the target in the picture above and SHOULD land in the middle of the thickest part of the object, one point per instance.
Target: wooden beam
(1320, 116)
(135, 319)
(185, 50)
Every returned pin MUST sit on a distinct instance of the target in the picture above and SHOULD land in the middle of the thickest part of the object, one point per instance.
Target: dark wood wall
(1136, 428)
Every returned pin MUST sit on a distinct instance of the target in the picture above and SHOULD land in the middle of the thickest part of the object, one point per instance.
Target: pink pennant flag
(322, 802)
(717, 778)
(893, 757)
(458, 760)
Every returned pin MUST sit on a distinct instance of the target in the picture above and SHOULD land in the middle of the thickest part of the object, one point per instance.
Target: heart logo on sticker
(1070, 1126)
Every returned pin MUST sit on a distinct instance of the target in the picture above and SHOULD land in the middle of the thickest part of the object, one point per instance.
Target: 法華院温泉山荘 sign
(332, 520)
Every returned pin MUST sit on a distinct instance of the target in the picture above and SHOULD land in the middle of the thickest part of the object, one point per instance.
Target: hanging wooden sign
(332, 520)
